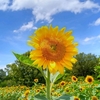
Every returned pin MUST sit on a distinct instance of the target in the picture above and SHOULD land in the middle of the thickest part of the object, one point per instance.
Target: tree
(23, 74)
(2, 75)
(85, 64)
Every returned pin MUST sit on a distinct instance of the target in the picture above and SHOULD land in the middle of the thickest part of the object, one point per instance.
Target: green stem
(48, 85)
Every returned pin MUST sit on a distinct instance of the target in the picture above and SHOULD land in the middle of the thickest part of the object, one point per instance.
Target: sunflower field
(75, 89)
(52, 70)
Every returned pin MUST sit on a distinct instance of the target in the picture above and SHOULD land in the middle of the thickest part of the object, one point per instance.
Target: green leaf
(53, 77)
(98, 76)
(39, 97)
(98, 87)
(65, 97)
(58, 77)
(82, 97)
(97, 67)
(24, 59)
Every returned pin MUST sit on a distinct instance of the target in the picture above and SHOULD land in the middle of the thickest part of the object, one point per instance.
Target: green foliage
(63, 97)
(2, 78)
(9, 82)
(97, 69)
(24, 58)
(27, 61)
(2, 74)
(22, 72)
(66, 76)
(39, 97)
(85, 64)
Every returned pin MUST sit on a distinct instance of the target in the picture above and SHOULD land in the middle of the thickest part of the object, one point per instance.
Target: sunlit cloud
(92, 40)
(44, 10)
(25, 27)
(89, 39)
(4, 4)
(97, 22)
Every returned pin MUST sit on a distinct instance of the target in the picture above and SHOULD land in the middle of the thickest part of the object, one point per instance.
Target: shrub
(85, 64)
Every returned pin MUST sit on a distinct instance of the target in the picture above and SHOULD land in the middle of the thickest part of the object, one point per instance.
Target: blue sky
(20, 18)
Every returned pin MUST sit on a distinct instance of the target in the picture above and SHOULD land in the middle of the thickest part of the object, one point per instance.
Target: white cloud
(97, 22)
(88, 39)
(92, 40)
(4, 4)
(25, 27)
(44, 10)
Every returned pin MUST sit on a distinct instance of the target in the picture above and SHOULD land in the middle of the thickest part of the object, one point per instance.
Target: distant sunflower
(67, 89)
(53, 48)
(94, 98)
(89, 79)
(37, 90)
(27, 92)
(76, 98)
(62, 83)
(36, 80)
(74, 78)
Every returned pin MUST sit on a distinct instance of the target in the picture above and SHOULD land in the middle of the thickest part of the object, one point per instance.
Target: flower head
(74, 78)
(89, 79)
(67, 89)
(82, 88)
(62, 83)
(76, 98)
(27, 92)
(37, 90)
(36, 80)
(94, 98)
(53, 48)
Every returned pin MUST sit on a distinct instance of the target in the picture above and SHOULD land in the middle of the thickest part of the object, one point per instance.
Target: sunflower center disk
(53, 49)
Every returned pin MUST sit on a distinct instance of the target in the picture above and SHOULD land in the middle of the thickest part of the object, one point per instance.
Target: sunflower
(62, 83)
(94, 98)
(82, 88)
(74, 78)
(27, 92)
(36, 80)
(67, 89)
(89, 79)
(76, 98)
(53, 48)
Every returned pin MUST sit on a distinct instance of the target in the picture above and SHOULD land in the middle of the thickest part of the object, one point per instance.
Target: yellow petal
(73, 60)
(71, 38)
(76, 44)
(52, 67)
(60, 68)
(42, 60)
(45, 65)
(68, 33)
(36, 53)
(67, 64)
(36, 61)
(62, 30)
